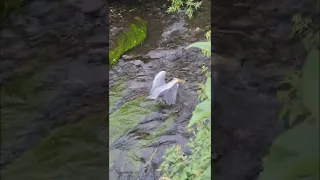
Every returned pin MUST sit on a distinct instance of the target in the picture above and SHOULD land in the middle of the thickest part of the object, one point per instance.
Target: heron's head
(180, 81)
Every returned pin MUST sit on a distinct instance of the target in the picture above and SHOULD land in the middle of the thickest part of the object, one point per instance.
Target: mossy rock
(117, 91)
(128, 40)
(127, 117)
(130, 160)
(76, 151)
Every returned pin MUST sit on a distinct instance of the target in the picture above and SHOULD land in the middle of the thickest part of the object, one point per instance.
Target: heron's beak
(181, 81)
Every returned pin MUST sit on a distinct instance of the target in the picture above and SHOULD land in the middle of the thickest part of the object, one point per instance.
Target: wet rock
(126, 57)
(281, 32)
(147, 66)
(153, 117)
(157, 54)
(7, 33)
(241, 23)
(174, 28)
(157, 9)
(137, 62)
(41, 8)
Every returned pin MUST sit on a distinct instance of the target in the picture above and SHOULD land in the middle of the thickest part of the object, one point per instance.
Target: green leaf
(207, 89)
(310, 83)
(295, 152)
(201, 45)
(171, 158)
(198, 116)
(207, 174)
(184, 175)
(204, 106)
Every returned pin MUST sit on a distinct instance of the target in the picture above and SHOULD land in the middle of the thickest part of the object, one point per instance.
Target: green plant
(130, 39)
(190, 5)
(296, 150)
(177, 165)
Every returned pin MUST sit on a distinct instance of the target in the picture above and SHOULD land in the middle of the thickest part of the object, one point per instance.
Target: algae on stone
(76, 151)
(130, 39)
(117, 91)
(127, 117)
(132, 158)
(122, 121)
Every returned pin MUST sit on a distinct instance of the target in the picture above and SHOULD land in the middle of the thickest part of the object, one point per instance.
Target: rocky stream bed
(141, 129)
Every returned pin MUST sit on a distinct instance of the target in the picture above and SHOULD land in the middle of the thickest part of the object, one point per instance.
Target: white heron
(167, 90)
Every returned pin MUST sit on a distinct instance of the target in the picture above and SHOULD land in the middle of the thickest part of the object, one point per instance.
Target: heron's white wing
(159, 80)
(170, 95)
(161, 90)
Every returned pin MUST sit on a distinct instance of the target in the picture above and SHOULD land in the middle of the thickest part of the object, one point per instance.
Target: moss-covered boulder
(128, 40)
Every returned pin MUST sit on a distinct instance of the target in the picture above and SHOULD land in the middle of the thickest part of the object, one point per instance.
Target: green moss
(132, 156)
(76, 151)
(135, 36)
(117, 91)
(127, 117)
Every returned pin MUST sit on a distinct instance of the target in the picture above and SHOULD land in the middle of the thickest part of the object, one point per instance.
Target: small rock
(193, 39)
(198, 30)
(126, 57)
(137, 62)
(147, 66)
